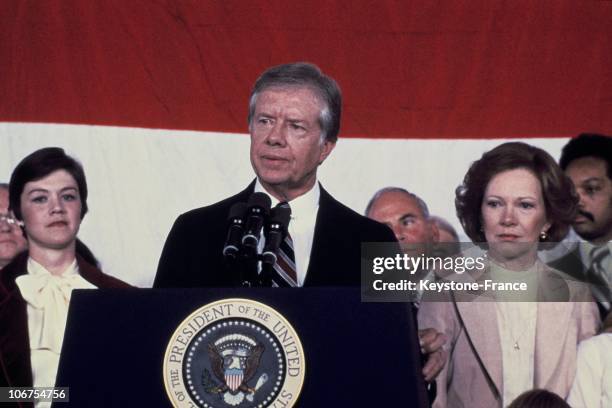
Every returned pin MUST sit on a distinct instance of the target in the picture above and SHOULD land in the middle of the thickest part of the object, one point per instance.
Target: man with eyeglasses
(12, 241)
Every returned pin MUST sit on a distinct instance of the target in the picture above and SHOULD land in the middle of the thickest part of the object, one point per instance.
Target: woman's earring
(543, 236)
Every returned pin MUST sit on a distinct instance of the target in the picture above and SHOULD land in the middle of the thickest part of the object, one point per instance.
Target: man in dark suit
(587, 160)
(294, 120)
(408, 217)
(192, 255)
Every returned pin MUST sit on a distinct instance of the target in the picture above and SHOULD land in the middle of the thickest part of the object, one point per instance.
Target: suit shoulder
(217, 211)
(11, 271)
(578, 290)
(569, 263)
(95, 276)
(355, 223)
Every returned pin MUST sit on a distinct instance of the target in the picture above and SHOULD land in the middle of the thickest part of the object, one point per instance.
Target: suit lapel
(549, 339)
(571, 264)
(480, 319)
(14, 337)
(320, 247)
(554, 294)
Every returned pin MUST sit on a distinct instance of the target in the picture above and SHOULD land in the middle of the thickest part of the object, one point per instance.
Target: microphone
(275, 232)
(235, 231)
(258, 208)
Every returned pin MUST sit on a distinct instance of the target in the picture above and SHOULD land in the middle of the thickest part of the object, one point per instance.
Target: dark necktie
(286, 272)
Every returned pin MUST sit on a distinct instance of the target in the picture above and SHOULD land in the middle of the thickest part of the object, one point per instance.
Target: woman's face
(513, 215)
(51, 210)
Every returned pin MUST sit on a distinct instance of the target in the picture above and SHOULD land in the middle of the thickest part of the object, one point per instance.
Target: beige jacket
(560, 326)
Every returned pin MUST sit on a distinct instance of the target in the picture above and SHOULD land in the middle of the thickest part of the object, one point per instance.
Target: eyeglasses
(10, 220)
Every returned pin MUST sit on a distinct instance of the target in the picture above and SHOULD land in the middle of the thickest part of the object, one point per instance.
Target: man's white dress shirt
(304, 211)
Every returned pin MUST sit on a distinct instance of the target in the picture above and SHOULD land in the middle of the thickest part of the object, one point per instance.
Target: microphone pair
(245, 224)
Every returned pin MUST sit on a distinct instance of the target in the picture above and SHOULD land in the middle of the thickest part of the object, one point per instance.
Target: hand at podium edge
(432, 345)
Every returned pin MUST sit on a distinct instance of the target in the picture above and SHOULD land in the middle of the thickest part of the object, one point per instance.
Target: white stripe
(289, 243)
(284, 275)
(132, 208)
(289, 262)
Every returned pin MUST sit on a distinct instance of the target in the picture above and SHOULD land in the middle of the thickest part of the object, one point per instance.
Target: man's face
(12, 241)
(590, 177)
(403, 215)
(286, 146)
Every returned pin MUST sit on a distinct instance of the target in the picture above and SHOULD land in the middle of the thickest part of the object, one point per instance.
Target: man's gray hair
(303, 74)
(420, 203)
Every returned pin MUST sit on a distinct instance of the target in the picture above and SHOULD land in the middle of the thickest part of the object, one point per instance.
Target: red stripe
(469, 69)
(282, 265)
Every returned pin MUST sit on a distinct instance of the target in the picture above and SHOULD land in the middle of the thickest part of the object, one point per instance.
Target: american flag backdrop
(151, 96)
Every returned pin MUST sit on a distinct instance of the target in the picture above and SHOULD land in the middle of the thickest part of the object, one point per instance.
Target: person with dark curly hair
(513, 199)
(587, 161)
(48, 197)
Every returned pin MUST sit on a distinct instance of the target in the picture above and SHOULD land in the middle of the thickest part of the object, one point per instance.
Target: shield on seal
(233, 378)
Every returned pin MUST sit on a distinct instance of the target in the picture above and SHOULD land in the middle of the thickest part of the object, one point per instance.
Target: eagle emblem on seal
(234, 360)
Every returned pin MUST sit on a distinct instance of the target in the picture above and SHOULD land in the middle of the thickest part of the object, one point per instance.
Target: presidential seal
(234, 353)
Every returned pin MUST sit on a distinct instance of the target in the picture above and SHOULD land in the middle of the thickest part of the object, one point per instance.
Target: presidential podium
(354, 353)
